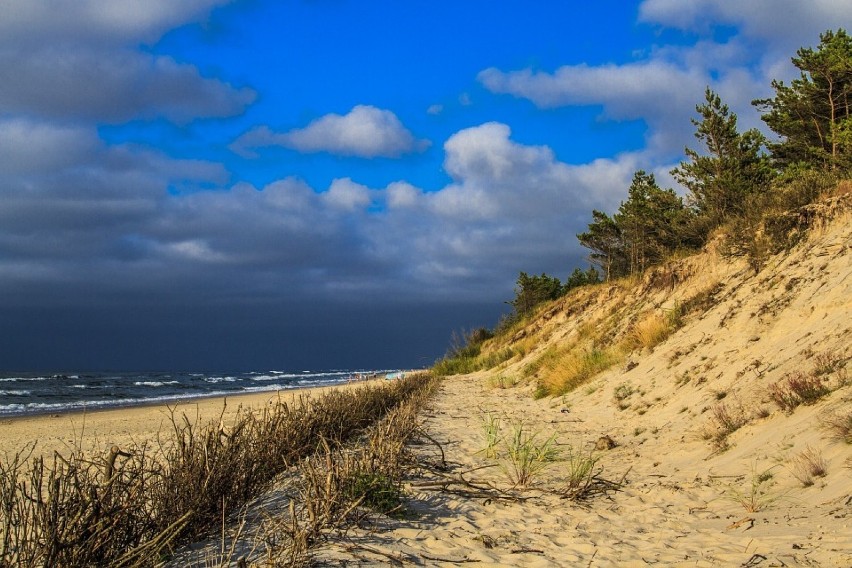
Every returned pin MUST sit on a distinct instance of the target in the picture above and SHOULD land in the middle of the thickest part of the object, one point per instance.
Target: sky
(318, 184)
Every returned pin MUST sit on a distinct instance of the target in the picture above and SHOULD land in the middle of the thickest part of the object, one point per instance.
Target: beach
(99, 430)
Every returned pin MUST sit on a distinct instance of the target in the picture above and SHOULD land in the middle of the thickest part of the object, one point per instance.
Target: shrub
(796, 389)
(376, 491)
(827, 364)
(724, 421)
(620, 394)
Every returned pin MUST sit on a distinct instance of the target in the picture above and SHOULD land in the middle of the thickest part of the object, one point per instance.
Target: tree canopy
(732, 168)
(648, 226)
(811, 115)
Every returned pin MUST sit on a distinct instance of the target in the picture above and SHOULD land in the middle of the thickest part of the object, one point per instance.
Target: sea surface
(31, 393)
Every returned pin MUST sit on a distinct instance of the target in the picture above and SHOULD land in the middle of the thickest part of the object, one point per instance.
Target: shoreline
(98, 429)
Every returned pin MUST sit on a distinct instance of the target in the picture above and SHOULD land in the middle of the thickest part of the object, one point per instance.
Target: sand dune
(687, 499)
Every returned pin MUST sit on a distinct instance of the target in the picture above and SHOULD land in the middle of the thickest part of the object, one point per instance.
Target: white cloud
(663, 88)
(627, 91)
(662, 93)
(509, 207)
(435, 109)
(401, 194)
(347, 195)
(366, 132)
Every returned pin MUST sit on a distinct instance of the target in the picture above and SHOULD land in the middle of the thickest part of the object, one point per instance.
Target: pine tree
(812, 115)
(605, 240)
(732, 168)
(531, 291)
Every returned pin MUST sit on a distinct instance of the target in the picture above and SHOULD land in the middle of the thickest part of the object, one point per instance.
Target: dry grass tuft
(502, 381)
(807, 465)
(526, 455)
(724, 421)
(758, 494)
(840, 425)
(569, 369)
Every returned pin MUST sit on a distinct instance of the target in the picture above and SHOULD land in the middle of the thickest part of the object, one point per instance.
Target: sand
(676, 507)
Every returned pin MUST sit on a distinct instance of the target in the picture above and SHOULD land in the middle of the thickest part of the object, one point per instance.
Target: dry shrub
(724, 421)
(828, 363)
(807, 465)
(702, 301)
(129, 507)
(796, 389)
(844, 187)
(341, 485)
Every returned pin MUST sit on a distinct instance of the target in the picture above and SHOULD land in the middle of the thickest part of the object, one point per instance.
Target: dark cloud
(80, 60)
(104, 23)
(114, 86)
(86, 242)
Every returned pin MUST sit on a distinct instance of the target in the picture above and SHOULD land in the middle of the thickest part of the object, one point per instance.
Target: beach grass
(133, 506)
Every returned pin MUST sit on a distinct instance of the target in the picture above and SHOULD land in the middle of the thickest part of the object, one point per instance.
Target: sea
(43, 393)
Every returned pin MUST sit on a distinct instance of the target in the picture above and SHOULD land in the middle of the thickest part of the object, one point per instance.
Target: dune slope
(713, 464)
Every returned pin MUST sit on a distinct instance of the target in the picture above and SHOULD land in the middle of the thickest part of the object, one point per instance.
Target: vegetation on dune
(130, 507)
(751, 195)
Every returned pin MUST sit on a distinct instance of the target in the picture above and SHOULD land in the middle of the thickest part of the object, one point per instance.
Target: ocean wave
(155, 383)
(23, 394)
(45, 407)
(215, 380)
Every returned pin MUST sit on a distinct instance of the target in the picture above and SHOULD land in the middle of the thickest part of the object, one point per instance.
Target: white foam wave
(15, 393)
(220, 379)
(155, 383)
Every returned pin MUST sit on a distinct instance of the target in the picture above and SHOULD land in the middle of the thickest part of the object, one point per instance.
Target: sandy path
(673, 510)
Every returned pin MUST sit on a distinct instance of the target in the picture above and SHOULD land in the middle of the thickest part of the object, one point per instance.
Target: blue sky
(330, 183)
